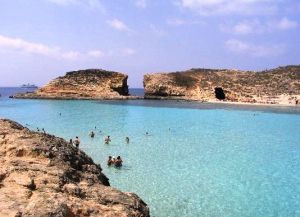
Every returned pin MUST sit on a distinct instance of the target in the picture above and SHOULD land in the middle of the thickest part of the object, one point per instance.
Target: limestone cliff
(276, 86)
(84, 84)
(42, 175)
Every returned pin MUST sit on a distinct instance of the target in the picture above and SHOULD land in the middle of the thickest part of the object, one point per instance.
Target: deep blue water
(198, 159)
(8, 91)
(136, 91)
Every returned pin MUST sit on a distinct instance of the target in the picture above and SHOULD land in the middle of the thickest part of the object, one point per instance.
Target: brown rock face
(84, 84)
(280, 85)
(42, 175)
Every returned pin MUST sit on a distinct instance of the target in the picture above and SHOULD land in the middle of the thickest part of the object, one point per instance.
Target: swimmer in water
(118, 162)
(107, 140)
(92, 134)
(110, 161)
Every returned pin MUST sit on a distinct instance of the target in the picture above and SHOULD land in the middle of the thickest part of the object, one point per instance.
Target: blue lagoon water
(198, 159)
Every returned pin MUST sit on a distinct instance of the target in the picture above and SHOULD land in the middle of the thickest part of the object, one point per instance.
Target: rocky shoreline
(95, 84)
(42, 175)
(279, 86)
(288, 103)
(35, 96)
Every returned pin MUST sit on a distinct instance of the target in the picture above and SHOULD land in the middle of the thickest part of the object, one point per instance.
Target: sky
(43, 39)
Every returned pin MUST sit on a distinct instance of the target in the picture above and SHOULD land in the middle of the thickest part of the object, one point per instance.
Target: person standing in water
(127, 139)
(110, 161)
(107, 140)
(118, 162)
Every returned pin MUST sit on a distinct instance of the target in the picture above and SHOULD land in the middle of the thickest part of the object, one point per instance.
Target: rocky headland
(276, 86)
(42, 175)
(84, 84)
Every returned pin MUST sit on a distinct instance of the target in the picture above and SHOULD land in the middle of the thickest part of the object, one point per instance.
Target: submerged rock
(276, 86)
(42, 175)
(84, 84)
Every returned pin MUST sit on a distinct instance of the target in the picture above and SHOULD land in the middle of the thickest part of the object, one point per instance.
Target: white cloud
(141, 3)
(118, 25)
(128, 51)
(257, 27)
(176, 22)
(93, 4)
(229, 7)
(181, 22)
(157, 31)
(26, 47)
(70, 55)
(96, 54)
(63, 2)
(21, 45)
(241, 47)
(286, 24)
(244, 27)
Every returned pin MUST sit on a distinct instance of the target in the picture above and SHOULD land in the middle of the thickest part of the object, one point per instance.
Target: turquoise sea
(198, 159)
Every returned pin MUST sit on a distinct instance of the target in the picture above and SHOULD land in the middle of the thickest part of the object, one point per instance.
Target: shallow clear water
(198, 159)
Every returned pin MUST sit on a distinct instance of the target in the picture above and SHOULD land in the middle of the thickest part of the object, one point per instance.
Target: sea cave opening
(219, 92)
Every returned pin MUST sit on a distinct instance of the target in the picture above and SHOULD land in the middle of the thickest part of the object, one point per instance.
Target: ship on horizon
(28, 86)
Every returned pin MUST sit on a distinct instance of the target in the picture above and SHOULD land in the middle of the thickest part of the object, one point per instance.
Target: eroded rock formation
(276, 86)
(42, 175)
(84, 84)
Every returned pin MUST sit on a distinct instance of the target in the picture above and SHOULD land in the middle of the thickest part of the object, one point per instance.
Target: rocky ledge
(84, 84)
(276, 86)
(42, 175)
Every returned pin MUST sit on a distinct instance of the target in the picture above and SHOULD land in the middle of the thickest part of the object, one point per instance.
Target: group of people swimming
(112, 161)
(107, 140)
(117, 162)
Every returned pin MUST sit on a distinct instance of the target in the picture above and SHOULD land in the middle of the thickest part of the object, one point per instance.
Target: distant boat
(29, 86)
